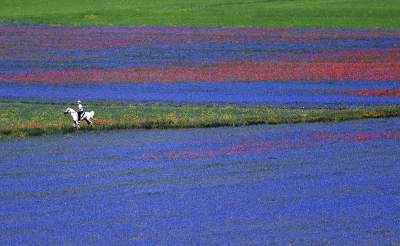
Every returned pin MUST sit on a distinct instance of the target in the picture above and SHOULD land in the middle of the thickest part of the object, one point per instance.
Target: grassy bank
(33, 119)
(217, 13)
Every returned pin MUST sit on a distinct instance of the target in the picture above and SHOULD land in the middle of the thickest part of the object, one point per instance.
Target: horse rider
(80, 110)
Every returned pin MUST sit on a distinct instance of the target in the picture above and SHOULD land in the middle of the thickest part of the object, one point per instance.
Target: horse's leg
(90, 123)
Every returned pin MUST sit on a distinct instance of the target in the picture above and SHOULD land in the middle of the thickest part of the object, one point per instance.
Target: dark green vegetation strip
(33, 119)
(217, 13)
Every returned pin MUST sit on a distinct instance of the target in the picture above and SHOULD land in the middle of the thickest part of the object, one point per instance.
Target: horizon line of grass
(210, 13)
(18, 120)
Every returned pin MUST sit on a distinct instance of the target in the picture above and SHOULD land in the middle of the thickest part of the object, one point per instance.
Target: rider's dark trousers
(80, 115)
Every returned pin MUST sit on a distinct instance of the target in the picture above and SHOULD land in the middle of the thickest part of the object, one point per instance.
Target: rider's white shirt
(80, 108)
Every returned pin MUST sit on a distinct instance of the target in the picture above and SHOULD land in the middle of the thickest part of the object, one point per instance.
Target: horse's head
(68, 110)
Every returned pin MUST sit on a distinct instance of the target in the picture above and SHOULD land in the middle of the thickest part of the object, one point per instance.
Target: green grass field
(216, 13)
(19, 119)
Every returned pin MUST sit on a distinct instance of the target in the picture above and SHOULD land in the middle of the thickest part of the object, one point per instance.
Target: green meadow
(215, 13)
(21, 119)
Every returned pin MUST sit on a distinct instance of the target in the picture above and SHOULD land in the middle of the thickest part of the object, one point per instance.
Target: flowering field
(165, 54)
(307, 67)
(320, 183)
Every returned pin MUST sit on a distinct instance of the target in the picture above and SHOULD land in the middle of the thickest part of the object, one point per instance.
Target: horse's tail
(91, 114)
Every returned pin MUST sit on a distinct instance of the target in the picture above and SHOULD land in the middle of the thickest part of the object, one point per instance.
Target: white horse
(87, 116)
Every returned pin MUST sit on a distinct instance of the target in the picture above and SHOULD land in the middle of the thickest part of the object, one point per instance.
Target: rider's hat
(79, 101)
